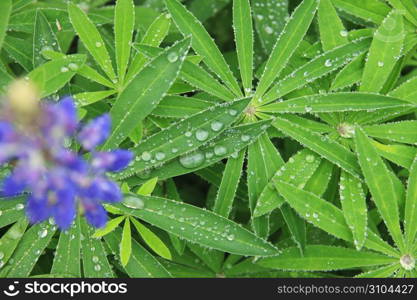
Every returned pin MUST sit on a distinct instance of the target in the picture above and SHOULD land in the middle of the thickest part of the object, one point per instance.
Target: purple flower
(57, 178)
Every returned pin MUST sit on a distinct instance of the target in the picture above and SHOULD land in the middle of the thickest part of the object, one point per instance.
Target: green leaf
(199, 226)
(67, 258)
(95, 263)
(385, 197)
(10, 240)
(401, 155)
(334, 35)
(402, 132)
(87, 98)
(147, 188)
(126, 243)
(144, 92)
(334, 102)
(230, 181)
(91, 39)
(368, 10)
(385, 51)
(5, 11)
(322, 145)
(270, 17)
(354, 207)
(180, 107)
(350, 74)
(326, 216)
(316, 68)
(324, 258)
(111, 225)
(30, 248)
(287, 43)
(383, 272)
(91, 74)
(11, 211)
(406, 91)
(152, 240)
(296, 226)
(406, 7)
(184, 136)
(297, 171)
(44, 38)
(154, 35)
(230, 140)
(141, 264)
(124, 22)
(53, 75)
(203, 44)
(410, 219)
(17, 49)
(263, 161)
(242, 24)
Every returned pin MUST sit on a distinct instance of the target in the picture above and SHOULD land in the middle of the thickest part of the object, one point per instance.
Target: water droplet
(231, 237)
(146, 156)
(245, 138)
(232, 112)
(220, 150)
(216, 126)
(188, 134)
(343, 33)
(159, 155)
(64, 69)
(43, 233)
(99, 44)
(97, 268)
(192, 160)
(380, 64)
(172, 57)
(133, 202)
(201, 135)
(95, 259)
(328, 63)
(20, 206)
(310, 158)
(73, 67)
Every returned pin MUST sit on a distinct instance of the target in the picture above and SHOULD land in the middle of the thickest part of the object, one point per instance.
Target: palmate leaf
(298, 170)
(322, 145)
(141, 264)
(196, 225)
(385, 197)
(68, 252)
(402, 132)
(10, 240)
(350, 74)
(18, 50)
(126, 243)
(324, 258)
(180, 106)
(224, 146)
(30, 248)
(5, 9)
(287, 43)
(91, 38)
(401, 155)
(327, 216)
(316, 68)
(383, 272)
(368, 10)
(385, 51)
(144, 92)
(124, 21)
(11, 210)
(335, 102)
(242, 25)
(203, 44)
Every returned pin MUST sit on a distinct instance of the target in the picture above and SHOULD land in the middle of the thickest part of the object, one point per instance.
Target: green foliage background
(272, 138)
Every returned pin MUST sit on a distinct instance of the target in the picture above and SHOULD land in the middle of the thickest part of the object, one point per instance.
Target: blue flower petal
(37, 209)
(95, 132)
(7, 133)
(65, 209)
(13, 184)
(113, 161)
(96, 216)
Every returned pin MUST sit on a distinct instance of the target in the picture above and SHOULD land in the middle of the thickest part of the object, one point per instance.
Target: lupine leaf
(242, 24)
(124, 21)
(184, 136)
(126, 243)
(350, 74)
(369, 10)
(334, 35)
(385, 197)
(322, 145)
(384, 52)
(227, 190)
(290, 38)
(10, 240)
(354, 208)
(180, 107)
(94, 256)
(202, 43)
(145, 91)
(324, 258)
(141, 264)
(67, 258)
(402, 132)
(30, 248)
(410, 218)
(91, 38)
(5, 9)
(200, 226)
(110, 226)
(11, 211)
